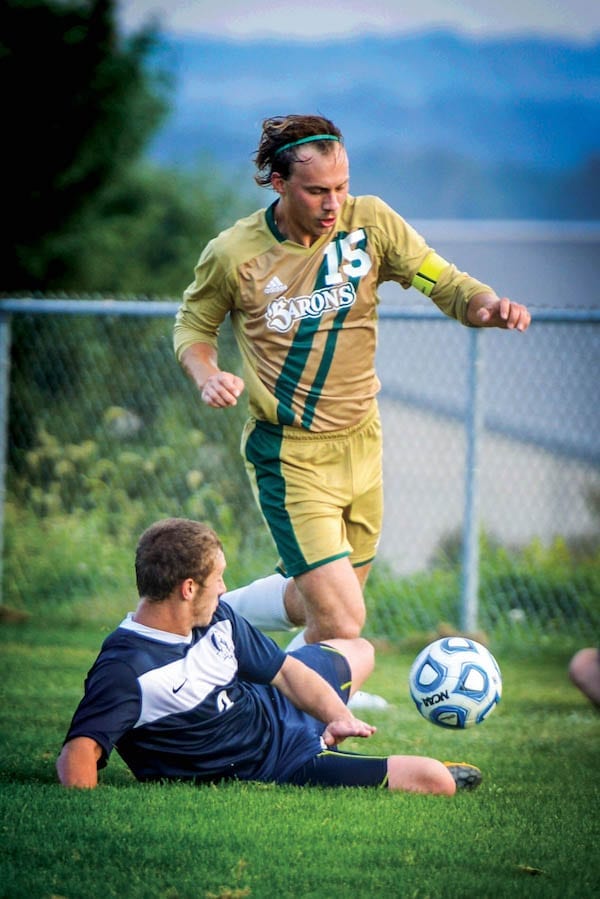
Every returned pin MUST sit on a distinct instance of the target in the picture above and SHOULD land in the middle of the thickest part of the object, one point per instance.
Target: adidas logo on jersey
(275, 286)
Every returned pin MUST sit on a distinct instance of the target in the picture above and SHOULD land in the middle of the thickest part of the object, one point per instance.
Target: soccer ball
(455, 682)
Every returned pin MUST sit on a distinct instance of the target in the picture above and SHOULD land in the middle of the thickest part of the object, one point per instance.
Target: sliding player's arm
(77, 765)
(308, 691)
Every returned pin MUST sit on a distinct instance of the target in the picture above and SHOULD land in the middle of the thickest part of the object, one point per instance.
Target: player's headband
(305, 140)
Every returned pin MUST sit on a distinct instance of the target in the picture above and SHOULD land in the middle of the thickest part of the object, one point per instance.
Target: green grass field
(532, 829)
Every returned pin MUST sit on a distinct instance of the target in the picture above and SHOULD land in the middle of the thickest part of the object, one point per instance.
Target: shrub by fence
(492, 467)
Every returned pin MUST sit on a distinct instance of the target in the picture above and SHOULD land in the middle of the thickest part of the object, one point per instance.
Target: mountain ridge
(505, 113)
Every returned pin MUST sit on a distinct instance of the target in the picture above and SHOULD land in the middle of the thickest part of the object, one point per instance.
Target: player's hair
(278, 131)
(170, 551)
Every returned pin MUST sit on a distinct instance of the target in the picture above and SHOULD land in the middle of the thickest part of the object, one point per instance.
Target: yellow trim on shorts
(383, 783)
(347, 684)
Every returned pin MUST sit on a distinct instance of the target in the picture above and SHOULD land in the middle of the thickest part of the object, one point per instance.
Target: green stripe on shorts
(262, 451)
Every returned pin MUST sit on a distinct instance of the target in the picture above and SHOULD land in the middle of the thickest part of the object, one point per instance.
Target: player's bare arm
(218, 388)
(77, 764)
(486, 310)
(311, 693)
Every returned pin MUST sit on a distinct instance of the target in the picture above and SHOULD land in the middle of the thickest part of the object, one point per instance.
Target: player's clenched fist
(222, 389)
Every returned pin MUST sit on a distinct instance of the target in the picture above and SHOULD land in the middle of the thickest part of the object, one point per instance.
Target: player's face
(313, 194)
(207, 597)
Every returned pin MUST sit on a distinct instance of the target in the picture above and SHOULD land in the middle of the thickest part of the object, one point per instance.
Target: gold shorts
(321, 494)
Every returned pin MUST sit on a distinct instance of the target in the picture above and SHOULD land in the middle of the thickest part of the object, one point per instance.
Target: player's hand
(487, 311)
(222, 389)
(349, 726)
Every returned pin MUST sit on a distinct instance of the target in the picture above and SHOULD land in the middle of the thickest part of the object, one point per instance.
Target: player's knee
(294, 603)
(581, 666)
(367, 648)
(365, 651)
(342, 624)
(348, 629)
(320, 632)
(584, 671)
(351, 620)
(419, 774)
(433, 777)
(439, 779)
(360, 654)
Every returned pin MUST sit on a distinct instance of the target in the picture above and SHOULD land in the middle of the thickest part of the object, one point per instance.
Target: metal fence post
(4, 399)
(474, 422)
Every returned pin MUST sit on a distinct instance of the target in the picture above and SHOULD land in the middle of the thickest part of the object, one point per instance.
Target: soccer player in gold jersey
(299, 280)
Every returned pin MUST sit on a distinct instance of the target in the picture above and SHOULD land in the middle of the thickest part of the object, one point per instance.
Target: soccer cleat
(466, 777)
(368, 701)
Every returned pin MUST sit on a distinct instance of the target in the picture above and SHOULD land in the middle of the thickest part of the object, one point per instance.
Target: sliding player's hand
(349, 726)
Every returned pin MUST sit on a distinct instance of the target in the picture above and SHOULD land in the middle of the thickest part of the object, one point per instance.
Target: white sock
(296, 642)
(262, 603)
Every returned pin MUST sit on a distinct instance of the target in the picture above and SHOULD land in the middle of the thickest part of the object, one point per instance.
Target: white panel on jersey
(184, 684)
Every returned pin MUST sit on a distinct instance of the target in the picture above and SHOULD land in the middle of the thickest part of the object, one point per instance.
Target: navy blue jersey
(196, 708)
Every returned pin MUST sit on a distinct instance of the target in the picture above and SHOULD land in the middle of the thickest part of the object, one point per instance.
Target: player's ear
(186, 588)
(278, 183)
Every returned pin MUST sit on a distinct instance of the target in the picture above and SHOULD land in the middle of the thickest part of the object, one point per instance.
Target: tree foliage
(80, 104)
(85, 214)
(146, 235)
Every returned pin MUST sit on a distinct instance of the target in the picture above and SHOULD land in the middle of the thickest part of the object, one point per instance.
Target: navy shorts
(330, 663)
(335, 767)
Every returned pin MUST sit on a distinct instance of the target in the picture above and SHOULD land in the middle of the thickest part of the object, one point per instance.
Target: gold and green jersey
(305, 318)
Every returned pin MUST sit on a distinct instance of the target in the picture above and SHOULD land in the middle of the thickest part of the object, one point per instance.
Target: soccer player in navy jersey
(186, 689)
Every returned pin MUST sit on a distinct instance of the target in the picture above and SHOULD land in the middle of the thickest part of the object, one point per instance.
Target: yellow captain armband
(429, 272)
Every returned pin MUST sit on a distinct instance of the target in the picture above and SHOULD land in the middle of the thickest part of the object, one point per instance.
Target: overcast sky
(314, 19)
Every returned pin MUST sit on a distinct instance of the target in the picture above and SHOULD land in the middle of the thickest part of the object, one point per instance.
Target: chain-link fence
(106, 434)
(536, 471)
